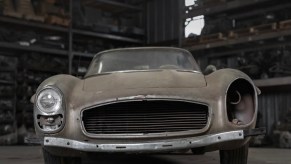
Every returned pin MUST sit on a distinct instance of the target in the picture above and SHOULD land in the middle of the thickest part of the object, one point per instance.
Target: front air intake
(144, 117)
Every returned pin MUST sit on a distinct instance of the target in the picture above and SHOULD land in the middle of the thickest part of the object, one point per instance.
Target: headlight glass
(49, 100)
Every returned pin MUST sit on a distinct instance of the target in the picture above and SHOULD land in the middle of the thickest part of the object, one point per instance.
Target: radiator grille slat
(138, 117)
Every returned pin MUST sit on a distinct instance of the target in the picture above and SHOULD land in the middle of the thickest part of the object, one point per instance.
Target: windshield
(142, 59)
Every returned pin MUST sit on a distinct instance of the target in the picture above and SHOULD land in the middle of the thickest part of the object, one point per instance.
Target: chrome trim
(147, 98)
(163, 145)
(59, 111)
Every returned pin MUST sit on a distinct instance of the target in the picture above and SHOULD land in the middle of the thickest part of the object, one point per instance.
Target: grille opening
(144, 117)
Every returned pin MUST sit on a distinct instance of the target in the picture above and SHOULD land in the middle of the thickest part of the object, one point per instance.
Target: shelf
(83, 54)
(7, 69)
(32, 24)
(6, 82)
(62, 29)
(6, 121)
(43, 70)
(110, 5)
(16, 46)
(273, 82)
(222, 7)
(6, 96)
(245, 39)
(106, 36)
(6, 109)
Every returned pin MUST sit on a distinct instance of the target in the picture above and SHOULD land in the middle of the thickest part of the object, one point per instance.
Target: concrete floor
(33, 155)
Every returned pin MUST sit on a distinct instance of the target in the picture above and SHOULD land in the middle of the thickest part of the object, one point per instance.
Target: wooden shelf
(5, 69)
(5, 82)
(83, 54)
(273, 82)
(221, 7)
(64, 29)
(32, 24)
(43, 70)
(241, 40)
(15, 46)
(111, 6)
(106, 36)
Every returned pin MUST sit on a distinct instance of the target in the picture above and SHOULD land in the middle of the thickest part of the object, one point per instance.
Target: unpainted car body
(148, 108)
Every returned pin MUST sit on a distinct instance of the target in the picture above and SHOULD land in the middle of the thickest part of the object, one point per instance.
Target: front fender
(219, 82)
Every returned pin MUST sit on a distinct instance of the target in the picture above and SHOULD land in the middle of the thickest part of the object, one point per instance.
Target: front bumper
(157, 146)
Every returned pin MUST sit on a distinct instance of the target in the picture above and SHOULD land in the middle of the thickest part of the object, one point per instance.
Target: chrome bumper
(163, 145)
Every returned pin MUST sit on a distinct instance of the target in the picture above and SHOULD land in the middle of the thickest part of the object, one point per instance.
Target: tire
(235, 156)
(53, 159)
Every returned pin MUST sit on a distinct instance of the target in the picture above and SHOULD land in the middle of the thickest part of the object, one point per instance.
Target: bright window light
(195, 26)
(190, 2)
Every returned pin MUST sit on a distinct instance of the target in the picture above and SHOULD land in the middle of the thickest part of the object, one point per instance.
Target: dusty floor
(32, 155)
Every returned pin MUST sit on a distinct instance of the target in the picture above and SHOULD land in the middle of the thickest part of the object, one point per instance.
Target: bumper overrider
(156, 146)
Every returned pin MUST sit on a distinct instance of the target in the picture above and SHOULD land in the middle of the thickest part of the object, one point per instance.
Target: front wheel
(53, 159)
(235, 156)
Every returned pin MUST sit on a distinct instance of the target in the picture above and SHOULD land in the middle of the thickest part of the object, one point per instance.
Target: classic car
(146, 100)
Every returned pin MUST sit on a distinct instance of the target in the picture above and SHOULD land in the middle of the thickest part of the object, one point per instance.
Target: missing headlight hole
(240, 102)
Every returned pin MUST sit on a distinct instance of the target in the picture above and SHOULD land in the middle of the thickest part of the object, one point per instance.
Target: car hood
(135, 80)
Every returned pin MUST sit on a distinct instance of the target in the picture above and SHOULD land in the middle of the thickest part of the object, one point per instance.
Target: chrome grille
(145, 117)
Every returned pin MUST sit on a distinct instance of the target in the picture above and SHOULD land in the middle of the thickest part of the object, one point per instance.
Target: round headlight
(49, 100)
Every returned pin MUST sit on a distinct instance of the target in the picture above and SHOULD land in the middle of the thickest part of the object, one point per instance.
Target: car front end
(145, 111)
(145, 119)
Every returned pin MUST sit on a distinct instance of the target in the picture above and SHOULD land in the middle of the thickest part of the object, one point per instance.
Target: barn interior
(42, 38)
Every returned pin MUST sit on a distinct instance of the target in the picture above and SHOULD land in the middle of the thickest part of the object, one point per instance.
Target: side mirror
(209, 69)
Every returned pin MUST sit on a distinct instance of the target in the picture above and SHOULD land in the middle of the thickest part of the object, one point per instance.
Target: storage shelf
(6, 96)
(222, 7)
(241, 40)
(111, 6)
(7, 121)
(237, 50)
(63, 29)
(273, 82)
(6, 109)
(44, 70)
(83, 54)
(4, 69)
(106, 36)
(6, 82)
(32, 24)
(16, 46)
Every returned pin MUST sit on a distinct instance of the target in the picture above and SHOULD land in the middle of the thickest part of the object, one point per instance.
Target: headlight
(49, 100)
